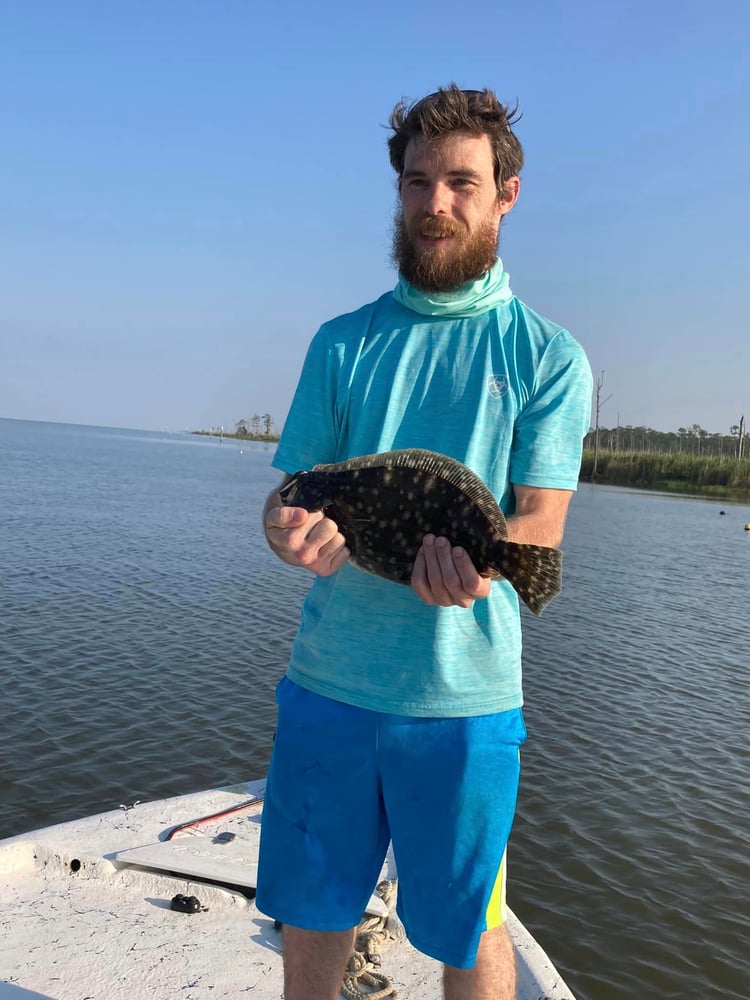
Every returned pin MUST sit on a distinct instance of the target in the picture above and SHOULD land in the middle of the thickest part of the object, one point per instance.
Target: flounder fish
(385, 504)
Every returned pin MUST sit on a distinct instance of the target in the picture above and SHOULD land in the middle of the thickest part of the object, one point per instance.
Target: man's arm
(539, 517)
(303, 538)
(445, 576)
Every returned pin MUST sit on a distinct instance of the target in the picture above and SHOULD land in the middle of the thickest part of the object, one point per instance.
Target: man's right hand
(305, 538)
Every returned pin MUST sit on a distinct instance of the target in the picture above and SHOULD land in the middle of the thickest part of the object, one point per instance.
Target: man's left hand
(445, 576)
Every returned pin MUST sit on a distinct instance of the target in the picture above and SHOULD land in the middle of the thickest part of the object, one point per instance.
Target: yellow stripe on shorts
(497, 908)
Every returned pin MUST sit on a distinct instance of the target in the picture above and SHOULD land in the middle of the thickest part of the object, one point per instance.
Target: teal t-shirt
(478, 376)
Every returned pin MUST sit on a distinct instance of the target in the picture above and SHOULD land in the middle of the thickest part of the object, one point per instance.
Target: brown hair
(449, 110)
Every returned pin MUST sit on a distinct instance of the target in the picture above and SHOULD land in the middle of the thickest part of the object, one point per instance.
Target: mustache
(437, 226)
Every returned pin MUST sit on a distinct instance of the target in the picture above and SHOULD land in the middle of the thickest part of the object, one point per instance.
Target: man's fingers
(426, 578)
(435, 552)
(286, 517)
(445, 576)
(419, 581)
(472, 583)
(306, 538)
(317, 542)
(337, 557)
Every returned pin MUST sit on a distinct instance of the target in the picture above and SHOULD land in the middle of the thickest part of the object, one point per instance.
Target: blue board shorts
(344, 781)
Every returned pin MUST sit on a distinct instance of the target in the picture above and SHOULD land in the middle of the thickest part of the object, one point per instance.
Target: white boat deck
(79, 920)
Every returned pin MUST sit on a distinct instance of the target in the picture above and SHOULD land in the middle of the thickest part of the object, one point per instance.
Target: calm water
(144, 625)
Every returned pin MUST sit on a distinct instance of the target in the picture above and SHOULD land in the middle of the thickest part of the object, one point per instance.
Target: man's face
(446, 230)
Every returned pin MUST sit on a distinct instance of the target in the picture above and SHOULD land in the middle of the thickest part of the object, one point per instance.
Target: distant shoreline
(267, 438)
(710, 477)
(677, 489)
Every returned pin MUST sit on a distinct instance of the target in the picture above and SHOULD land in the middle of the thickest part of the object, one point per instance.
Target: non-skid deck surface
(79, 919)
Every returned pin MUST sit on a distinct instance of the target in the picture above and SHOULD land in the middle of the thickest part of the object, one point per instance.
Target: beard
(446, 269)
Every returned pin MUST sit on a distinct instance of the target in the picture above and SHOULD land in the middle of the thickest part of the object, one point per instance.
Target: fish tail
(535, 572)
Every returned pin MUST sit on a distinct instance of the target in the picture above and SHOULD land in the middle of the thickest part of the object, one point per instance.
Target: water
(144, 625)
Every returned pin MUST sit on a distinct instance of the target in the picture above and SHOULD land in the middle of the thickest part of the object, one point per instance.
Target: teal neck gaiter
(490, 290)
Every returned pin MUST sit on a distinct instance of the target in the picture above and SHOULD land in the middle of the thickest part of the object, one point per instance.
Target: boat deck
(78, 921)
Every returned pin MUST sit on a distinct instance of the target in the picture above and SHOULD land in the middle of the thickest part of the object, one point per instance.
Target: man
(400, 715)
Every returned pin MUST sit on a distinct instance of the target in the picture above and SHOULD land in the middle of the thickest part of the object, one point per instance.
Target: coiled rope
(363, 977)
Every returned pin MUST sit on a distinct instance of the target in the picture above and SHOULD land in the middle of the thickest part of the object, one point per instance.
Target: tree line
(690, 459)
(693, 440)
(257, 428)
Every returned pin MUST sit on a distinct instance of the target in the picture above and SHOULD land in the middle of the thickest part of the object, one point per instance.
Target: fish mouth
(291, 487)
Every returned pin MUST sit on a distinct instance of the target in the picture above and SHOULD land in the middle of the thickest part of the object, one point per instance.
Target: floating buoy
(722, 512)
(747, 527)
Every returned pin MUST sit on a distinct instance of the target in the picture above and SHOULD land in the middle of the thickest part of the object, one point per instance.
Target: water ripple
(144, 626)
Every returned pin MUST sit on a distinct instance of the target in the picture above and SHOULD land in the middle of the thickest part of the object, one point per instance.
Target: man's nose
(437, 199)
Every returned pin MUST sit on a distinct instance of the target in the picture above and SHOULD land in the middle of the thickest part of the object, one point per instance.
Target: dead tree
(598, 404)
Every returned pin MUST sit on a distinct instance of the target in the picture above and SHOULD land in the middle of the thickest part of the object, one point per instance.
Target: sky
(189, 189)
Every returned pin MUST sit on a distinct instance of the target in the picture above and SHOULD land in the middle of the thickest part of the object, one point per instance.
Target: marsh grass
(678, 473)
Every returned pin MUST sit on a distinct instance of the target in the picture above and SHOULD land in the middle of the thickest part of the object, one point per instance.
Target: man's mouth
(438, 229)
(430, 233)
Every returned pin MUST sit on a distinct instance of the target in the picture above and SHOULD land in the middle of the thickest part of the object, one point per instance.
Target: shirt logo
(497, 386)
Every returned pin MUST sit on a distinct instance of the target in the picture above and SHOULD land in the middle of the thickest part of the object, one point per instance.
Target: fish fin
(534, 571)
(433, 463)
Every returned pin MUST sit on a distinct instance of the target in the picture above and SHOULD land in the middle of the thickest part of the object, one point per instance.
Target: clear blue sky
(189, 189)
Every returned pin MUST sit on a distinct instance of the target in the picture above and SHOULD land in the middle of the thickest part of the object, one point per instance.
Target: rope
(363, 968)
(257, 800)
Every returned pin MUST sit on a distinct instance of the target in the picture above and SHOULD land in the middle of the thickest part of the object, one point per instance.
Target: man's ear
(511, 190)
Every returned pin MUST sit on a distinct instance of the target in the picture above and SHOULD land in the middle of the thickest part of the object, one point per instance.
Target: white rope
(363, 977)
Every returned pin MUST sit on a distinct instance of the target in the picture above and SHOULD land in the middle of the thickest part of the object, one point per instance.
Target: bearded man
(400, 714)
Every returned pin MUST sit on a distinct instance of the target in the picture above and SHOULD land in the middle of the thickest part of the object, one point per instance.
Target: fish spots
(385, 504)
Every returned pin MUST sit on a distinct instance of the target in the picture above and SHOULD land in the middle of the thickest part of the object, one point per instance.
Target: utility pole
(598, 404)
(741, 436)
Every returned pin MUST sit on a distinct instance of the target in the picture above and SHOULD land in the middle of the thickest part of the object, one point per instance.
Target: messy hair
(450, 110)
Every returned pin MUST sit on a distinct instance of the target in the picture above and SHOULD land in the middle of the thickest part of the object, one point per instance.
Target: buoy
(722, 512)
(747, 527)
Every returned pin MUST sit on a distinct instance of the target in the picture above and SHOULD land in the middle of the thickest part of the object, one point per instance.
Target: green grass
(678, 473)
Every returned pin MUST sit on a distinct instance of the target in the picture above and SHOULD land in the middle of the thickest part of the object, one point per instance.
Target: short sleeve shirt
(506, 392)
